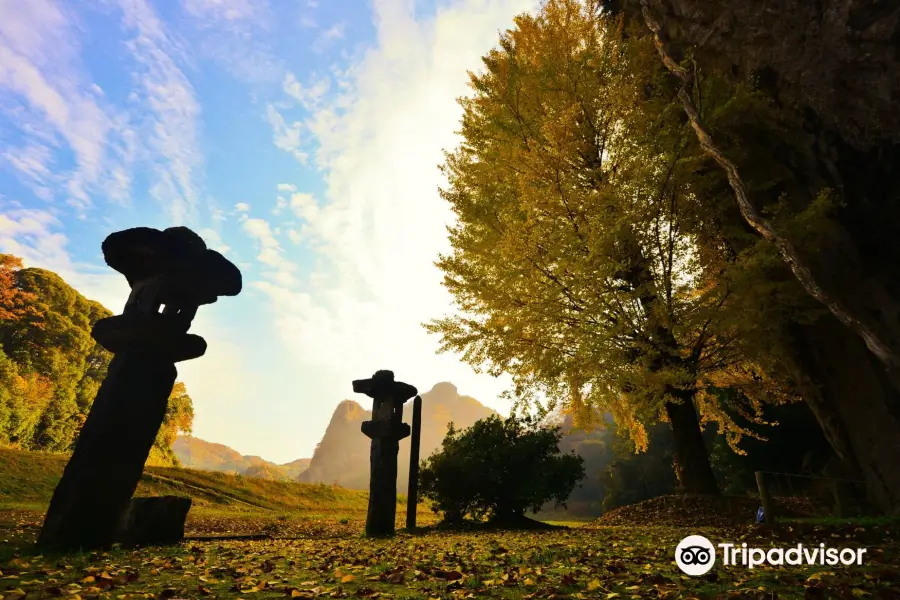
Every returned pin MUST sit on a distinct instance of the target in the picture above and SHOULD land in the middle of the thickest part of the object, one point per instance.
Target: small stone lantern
(386, 429)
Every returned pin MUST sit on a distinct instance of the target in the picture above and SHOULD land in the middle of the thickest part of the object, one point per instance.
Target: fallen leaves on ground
(688, 510)
(582, 563)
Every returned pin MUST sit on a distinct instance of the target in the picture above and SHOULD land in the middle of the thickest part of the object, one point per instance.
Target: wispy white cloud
(171, 126)
(242, 207)
(287, 136)
(305, 207)
(329, 37)
(307, 19)
(311, 96)
(225, 10)
(382, 224)
(33, 160)
(214, 240)
(279, 269)
(58, 107)
(235, 34)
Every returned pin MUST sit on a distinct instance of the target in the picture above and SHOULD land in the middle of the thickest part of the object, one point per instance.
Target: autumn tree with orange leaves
(50, 366)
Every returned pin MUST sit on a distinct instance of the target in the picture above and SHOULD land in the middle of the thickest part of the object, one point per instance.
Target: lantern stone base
(382, 513)
(97, 484)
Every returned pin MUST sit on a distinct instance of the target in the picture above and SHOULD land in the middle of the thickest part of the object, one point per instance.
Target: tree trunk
(692, 466)
(692, 459)
(857, 406)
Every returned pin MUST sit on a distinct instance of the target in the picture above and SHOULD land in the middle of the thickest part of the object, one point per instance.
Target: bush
(499, 469)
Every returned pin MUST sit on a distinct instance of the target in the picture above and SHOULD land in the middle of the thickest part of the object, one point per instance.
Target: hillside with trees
(51, 368)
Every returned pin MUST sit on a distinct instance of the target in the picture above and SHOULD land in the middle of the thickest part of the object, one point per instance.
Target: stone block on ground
(154, 521)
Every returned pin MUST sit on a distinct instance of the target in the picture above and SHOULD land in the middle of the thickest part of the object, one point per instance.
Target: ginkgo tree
(574, 262)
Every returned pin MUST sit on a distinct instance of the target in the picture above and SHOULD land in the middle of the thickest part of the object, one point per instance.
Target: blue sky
(299, 137)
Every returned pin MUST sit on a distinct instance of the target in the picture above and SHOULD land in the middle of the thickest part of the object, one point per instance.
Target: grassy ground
(314, 549)
(30, 477)
(609, 562)
(223, 504)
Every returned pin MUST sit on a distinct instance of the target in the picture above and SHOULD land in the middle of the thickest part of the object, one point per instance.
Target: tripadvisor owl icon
(695, 555)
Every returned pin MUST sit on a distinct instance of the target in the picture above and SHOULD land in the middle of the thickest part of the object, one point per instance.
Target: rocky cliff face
(343, 455)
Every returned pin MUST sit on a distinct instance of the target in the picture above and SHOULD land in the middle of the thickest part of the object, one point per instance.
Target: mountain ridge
(195, 453)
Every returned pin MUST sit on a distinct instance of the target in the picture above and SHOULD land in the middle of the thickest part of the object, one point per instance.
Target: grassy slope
(28, 478)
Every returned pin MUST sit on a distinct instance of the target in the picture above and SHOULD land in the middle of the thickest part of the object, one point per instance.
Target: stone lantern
(171, 273)
(386, 429)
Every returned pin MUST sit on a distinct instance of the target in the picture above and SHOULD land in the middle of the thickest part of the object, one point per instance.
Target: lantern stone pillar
(171, 274)
(386, 429)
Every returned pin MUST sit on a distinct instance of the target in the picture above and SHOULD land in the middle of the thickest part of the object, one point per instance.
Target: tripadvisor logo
(695, 555)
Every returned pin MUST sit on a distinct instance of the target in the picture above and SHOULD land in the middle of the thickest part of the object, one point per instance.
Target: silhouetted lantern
(171, 274)
(386, 429)
(170, 270)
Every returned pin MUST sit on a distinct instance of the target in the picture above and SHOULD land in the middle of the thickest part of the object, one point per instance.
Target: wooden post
(765, 498)
(413, 489)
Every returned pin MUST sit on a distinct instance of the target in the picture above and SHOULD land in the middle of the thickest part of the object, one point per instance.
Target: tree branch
(879, 347)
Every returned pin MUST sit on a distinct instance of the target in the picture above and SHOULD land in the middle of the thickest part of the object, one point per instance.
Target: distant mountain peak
(343, 454)
(444, 389)
(347, 410)
(443, 392)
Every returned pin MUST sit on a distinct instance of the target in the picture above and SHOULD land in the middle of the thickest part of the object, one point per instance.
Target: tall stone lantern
(171, 273)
